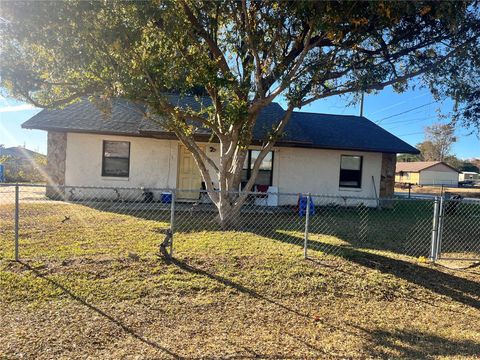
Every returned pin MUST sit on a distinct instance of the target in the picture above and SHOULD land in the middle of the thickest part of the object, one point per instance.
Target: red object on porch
(262, 188)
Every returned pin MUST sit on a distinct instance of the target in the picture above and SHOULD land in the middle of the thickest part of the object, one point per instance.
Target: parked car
(466, 183)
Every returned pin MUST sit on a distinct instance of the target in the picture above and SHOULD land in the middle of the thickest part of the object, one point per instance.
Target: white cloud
(14, 108)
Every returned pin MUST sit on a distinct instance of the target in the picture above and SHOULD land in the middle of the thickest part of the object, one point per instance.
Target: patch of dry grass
(94, 286)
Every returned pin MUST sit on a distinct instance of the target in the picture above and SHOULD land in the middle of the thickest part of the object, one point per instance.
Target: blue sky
(383, 108)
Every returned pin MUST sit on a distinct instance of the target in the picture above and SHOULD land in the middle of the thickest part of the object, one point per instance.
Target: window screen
(351, 171)
(116, 158)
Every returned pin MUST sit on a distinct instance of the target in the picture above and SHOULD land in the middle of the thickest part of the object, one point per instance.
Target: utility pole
(361, 103)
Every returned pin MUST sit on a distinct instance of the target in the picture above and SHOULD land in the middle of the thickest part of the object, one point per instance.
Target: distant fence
(467, 189)
(90, 220)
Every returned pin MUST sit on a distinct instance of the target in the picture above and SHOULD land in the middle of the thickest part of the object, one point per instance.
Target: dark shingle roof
(84, 116)
(304, 129)
(342, 132)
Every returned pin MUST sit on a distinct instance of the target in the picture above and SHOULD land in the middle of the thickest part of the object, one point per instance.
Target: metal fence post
(172, 221)
(17, 257)
(307, 225)
(441, 213)
(433, 249)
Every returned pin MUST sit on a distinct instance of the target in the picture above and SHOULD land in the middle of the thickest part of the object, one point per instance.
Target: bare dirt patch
(26, 193)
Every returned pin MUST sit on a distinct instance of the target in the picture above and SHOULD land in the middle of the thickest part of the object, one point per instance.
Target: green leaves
(136, 49)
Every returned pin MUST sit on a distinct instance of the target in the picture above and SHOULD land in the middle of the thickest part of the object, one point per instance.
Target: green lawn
(91, 284)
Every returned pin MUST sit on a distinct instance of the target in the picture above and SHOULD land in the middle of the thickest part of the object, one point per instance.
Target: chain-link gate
(458, 234)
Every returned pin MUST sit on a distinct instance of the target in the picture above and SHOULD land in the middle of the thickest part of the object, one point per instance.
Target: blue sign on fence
(2, 173)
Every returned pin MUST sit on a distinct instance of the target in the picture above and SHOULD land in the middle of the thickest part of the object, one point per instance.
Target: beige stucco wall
(153, 164)
(318, 171)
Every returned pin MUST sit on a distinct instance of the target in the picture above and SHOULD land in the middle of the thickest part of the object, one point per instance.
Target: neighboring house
(468, 176)
(426, 173)
(22, 165)
(20, 153)
(318, 153)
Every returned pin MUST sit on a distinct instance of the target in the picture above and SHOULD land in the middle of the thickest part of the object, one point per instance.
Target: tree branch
(265, 149)
(404, 77)
(198, 154)
(212, 45)
(56, 103)
(257, 105)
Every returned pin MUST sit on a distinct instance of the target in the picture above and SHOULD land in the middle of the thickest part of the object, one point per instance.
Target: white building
(319, 153)
(468, 176)
(426, 173)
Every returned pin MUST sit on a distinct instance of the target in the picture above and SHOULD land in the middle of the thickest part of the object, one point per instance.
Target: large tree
(242, 55)
(439, 139)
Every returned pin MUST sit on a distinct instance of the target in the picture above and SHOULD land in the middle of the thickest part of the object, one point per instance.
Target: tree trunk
(228, 217)
(233, 151)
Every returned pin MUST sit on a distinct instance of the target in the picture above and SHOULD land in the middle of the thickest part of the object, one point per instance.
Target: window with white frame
(116, 158)
(351, 171)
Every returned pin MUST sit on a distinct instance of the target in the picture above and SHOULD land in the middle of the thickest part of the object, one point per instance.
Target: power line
(401, 126)
(404, 112)
(410, 120)
(421, 111)
(415, 133)
(398, 103)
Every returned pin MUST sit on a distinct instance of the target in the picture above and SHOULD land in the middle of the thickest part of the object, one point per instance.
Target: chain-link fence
(467, 189)
(400, 225)
(66, 223)
(459, 229)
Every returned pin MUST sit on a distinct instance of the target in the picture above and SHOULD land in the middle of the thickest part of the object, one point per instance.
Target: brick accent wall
(56, 158)
(387, 178)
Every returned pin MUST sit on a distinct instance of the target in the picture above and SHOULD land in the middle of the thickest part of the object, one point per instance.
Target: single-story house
(318, 153)
(426, 173)
(468, 176)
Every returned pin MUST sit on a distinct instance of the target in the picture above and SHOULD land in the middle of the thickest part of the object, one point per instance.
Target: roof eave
(83, 131)
(314, 146)
(208, 137)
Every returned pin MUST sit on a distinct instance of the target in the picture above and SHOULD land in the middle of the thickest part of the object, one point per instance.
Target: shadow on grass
(406, 343)
(254, 354)
(109, 317)
(387, 227)
(235, 286)
(459, 289)
(343, 223)
(417, 345)
(403, 227)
